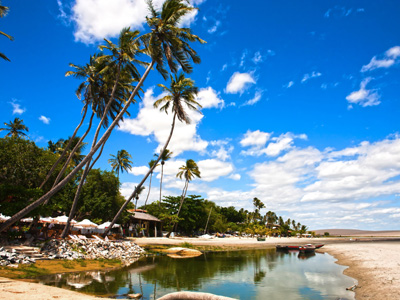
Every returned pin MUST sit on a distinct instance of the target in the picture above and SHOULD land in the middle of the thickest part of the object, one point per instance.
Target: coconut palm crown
(3, 12)
(121, 161)
(181, 89)
(167, 42)
(15, 128)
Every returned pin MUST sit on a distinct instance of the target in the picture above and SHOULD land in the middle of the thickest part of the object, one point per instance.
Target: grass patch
(68, 264)
(187, 245)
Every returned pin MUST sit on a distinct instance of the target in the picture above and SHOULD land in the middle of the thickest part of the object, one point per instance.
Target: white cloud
(239, 82)
(276, 146)
(257, 57)
(215, 27)
(212, 169)
(310, 75)
(388, 60)
(223, 150)
(257, 97)
(255, 138)
(44, 119)
(235, 176)
(99, 19)
(17, 109)
(208, 97)
(289, 84)
(139, 170)
(151, 121)
(363, 96)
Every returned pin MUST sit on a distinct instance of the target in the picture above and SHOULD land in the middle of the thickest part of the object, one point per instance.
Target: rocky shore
(125, 251)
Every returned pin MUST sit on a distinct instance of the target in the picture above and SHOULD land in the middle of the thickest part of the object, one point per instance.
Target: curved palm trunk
(162, 172)
(137, 189)
(180, 206)
(66, 147)
(148, 194)
(88, 166)
(88, 157)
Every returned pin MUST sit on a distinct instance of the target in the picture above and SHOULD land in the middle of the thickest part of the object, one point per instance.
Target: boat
(286, 247)
(261, 239)
(307, 248)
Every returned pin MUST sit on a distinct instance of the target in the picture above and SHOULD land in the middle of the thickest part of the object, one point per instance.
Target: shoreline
(372, 262)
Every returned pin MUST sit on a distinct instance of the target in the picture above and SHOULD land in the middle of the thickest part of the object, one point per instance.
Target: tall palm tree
(3, 12)
(121, 162)
(165, 30)
(151, 164)
(140, 190)
(182, 92)
(166, 155)
(15, 128)
(188, 171)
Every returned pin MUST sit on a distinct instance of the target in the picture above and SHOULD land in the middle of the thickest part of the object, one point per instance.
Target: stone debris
(127, 252)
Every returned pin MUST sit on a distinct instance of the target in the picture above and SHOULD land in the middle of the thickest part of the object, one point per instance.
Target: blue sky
(300, 101)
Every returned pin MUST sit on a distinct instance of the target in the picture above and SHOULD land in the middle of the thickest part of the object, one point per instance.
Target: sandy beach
(373, 262)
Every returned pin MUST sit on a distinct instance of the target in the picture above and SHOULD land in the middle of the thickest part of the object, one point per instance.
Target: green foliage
(100, 198)
(326, 233)
(186, 245)
(68, 264)
(23, 167)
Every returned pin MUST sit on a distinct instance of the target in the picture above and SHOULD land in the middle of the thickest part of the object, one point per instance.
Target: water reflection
(254, 274)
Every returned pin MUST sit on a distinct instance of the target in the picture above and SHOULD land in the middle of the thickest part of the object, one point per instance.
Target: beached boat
(286, 247)
(307, 248)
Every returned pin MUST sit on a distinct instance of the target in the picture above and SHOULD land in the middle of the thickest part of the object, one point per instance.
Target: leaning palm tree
(3, 12)
(166, 155)
(188, 171)
(151, 164)
(121, 162)
(15, 128)
(165, 30)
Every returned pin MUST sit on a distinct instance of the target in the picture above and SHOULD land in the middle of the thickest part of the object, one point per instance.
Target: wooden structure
(142, 224)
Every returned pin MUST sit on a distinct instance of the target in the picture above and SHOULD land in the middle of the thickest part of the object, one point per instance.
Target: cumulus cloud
(212, 169)
(255, 138)
(151, 121)
(99, 19)
(44, 119)
(363, 96)
(208, 98)
(308, 76)
(17, 109)
(139, 170)
(276, 145)
(389, 58)
(239, 82)
(222, 149)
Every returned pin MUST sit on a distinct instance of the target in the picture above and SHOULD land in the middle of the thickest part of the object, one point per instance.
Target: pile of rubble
(127, 252)
(14, 257)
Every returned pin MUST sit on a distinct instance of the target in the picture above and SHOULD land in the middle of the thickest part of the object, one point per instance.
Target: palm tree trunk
(137, 189)
(88, 157)
(148, 194)
(66, 148)
(180, 205)
(162, 172)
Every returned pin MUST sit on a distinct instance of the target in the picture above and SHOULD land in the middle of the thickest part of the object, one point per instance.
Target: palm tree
(140, 190)
(166, 155)
(151, 164)
(165, 30)
(3, 12)
(188, 171)
(121, 162)
(15, 128)
(181, 93)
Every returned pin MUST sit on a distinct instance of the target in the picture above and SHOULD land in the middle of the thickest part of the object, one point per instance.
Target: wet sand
(374, 262)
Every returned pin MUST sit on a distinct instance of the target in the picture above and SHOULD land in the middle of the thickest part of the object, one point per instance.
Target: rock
(134, 296)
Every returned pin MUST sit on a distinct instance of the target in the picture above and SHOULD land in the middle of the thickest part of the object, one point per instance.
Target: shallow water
(252, 274)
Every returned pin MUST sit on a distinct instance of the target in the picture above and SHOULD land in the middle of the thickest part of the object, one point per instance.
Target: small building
(142, 224)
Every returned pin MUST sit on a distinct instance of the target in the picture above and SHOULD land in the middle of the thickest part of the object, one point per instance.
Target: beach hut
(63, 220)
(86, 224)
(142, 224)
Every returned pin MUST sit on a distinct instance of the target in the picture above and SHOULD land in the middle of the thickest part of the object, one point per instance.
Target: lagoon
(249, 274)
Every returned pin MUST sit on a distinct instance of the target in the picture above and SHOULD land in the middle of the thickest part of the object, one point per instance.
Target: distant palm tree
(3, 12)
(189, 171)
(140, 190)
(166, 155)
(15, 128)
(151, 164)
(121, 161)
